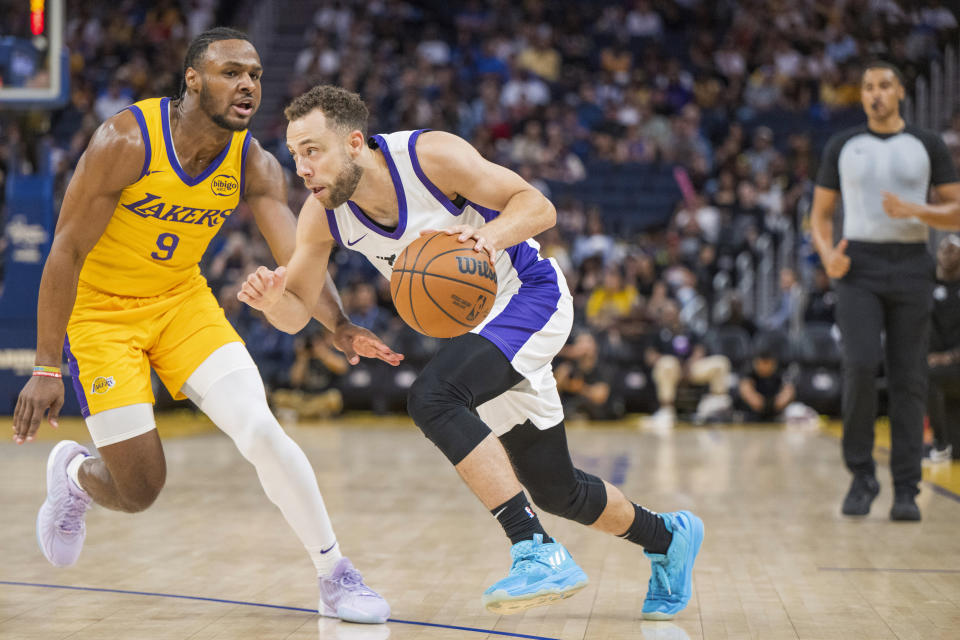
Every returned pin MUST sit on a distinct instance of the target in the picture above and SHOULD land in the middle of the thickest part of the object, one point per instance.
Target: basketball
(442, 287)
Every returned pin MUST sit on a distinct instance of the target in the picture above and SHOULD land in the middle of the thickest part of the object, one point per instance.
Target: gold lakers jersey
(164, 221)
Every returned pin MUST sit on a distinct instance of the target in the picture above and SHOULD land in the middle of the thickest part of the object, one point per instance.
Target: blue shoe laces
(659, 577)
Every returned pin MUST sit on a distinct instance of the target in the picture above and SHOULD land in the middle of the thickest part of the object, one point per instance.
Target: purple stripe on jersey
(401, 199)
(488, 214)
(332, 221)
(243, 160)
(75, 374)
(530, 308)
(417, 169)
(138, 114)
(172, 156)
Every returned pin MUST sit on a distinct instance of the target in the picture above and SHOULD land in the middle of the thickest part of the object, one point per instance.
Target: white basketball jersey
(532, 313)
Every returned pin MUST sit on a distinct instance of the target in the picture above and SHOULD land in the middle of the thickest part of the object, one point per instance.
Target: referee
(884, 278)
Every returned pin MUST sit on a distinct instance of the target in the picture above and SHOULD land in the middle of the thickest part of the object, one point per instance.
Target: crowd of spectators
(556, 90)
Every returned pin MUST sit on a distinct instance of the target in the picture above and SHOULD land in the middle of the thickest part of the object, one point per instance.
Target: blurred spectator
(363, 310)
(111, 101)
(787, 315)
(585, 383)
(735, 317)
(676, 355)
(271, 349)
(612, 301)
(761, 153)
(764, 392)
(595, 242)
(943, 398)
(311, 390)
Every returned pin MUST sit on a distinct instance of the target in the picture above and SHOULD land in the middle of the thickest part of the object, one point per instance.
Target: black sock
(648, 530)
(518, 519)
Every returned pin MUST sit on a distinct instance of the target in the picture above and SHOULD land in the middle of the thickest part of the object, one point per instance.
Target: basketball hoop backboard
(34, 69)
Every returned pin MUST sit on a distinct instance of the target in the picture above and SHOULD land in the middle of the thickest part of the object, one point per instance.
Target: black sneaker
(904, 506)
(862, 491)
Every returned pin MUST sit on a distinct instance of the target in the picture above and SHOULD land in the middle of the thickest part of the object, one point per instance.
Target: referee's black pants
(889, 290)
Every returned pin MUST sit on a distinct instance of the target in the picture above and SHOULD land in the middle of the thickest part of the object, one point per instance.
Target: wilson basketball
(441, 287)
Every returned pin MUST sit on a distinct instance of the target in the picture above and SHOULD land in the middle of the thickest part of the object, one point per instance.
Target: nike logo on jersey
(350, 243)
(150, 208)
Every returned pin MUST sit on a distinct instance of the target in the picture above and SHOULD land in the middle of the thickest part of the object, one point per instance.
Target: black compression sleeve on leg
(543, 465)
(468, 371)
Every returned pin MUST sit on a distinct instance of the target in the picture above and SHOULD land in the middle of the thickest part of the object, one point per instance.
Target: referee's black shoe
(904, 506)
(862, 491)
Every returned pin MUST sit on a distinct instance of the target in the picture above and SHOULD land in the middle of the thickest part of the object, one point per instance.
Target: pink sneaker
(60, 528)
(343, 595)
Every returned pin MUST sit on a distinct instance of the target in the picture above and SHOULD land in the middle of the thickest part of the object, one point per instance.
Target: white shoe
(933, 454)
(713, 404)
(662, 420)
(800, 417)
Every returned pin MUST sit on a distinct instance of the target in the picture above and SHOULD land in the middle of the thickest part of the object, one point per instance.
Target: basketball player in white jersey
(488, 399)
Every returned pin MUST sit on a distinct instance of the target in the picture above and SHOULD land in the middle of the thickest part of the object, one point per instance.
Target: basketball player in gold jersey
(123, 286)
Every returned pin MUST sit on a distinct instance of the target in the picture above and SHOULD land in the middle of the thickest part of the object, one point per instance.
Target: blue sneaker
(540, 574)
(671, 575)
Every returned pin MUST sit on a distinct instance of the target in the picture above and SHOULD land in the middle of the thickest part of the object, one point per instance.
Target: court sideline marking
(260, 604)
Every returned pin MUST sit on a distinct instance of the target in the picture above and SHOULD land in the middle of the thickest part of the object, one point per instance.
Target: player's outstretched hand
(356, 341)
(40, 394)
(263, 288)
(482, 241)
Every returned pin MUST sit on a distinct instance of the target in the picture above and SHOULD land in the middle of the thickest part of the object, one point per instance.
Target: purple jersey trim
(401, 198)
(417, 169)
(243, 160)
(75, 375)
(138, 114)
(172, 157)
(334, 230)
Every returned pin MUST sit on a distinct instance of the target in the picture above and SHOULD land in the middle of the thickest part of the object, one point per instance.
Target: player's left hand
(897, 208)
(482, 240)
(356, 341)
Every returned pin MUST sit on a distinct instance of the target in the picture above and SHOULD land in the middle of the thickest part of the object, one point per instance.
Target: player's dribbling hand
(38, 395)
(482, 242)
(356, 341)
(837, 262)
(263, 288)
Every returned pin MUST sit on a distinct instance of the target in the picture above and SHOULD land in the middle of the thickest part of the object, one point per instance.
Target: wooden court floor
(213, 559)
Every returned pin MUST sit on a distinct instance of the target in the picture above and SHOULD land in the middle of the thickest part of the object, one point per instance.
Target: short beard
(344, 185)
(218, 119)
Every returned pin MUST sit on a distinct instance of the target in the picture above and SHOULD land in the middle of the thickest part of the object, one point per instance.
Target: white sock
(325, 559)
(237, 404)
(73, 469)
